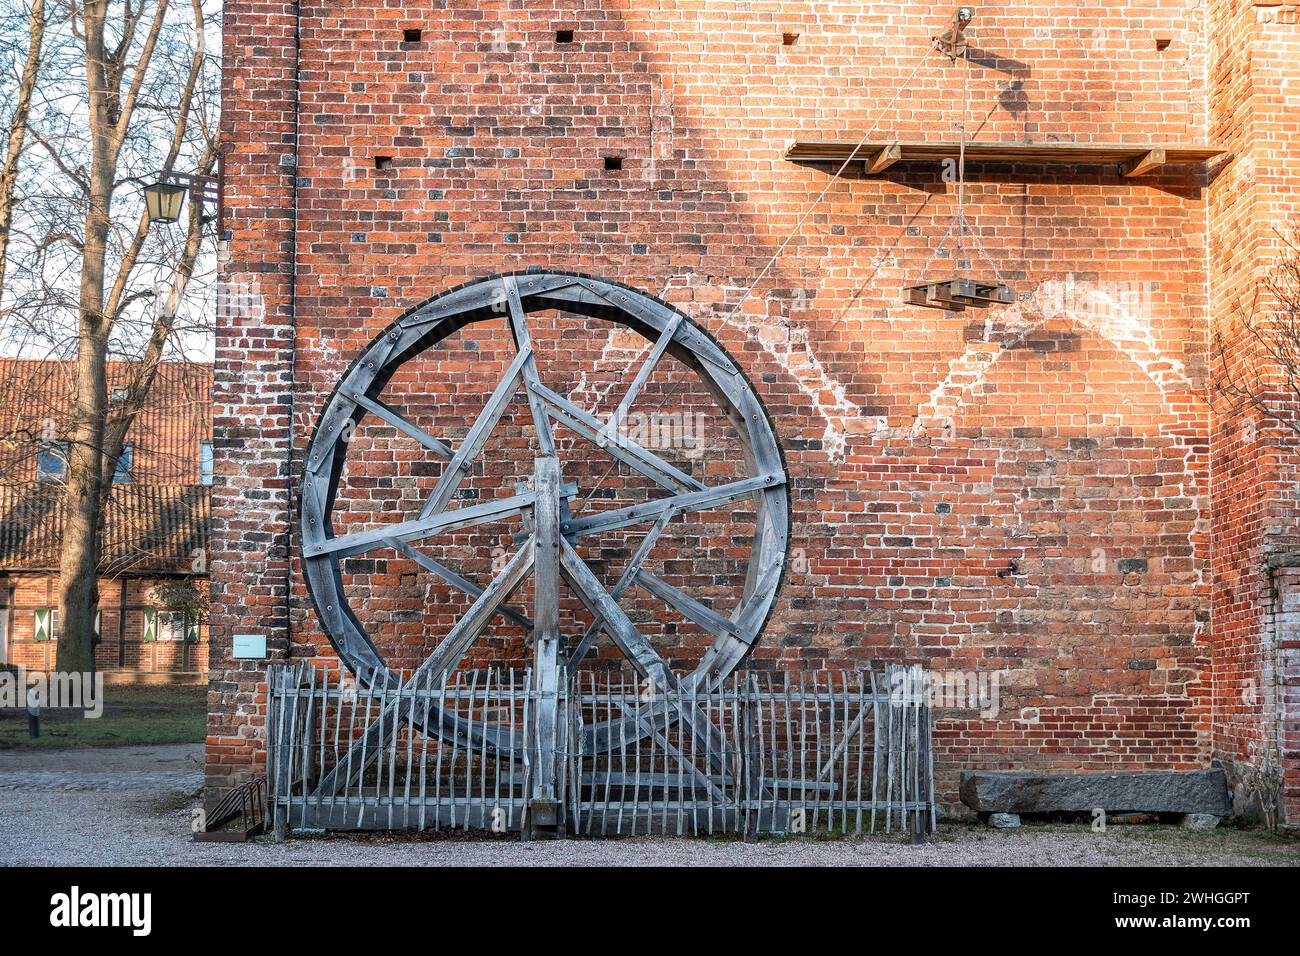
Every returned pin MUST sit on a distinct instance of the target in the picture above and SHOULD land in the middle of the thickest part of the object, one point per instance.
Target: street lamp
(163, 200)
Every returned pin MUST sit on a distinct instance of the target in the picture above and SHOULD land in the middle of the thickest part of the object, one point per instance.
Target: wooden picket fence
(764, 753)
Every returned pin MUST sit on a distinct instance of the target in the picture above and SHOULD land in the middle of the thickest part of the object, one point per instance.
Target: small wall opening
(563, 36)
(383, 162)
(613, 162)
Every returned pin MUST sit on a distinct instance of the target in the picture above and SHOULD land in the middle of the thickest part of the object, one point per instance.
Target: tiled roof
(165, 434)
(159, 528)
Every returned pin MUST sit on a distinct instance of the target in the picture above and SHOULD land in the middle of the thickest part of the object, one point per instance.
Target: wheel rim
(512, 297)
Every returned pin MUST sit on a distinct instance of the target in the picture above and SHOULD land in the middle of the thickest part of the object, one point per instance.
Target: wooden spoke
(477, 437)
(468, 628)
(652, 510)
(637, 650)
(362, 541)
(624, 582)
(455, 580)
(401, 424)
(629, 640)
(624, 449)
(619, 414)
(519, 328)
(691, 609)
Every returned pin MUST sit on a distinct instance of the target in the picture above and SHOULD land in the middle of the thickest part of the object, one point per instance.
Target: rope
(939, 248)
(959, 221)
(793, 232)
(961, 152)
(844, 165)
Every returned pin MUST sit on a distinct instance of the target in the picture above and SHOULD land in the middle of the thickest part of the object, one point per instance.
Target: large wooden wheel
(552, 534)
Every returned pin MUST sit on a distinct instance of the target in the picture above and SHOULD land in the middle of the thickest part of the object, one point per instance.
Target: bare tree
(16, 141)
(1259, 353)
(126, 92)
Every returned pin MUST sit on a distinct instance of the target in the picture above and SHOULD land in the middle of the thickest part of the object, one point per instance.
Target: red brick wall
(1255, 53)
(121, 627)
(252, 398)
(1067, 434)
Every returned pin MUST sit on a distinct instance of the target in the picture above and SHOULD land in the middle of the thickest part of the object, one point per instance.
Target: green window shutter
(41, 620)
(191, 629)
(150, 632)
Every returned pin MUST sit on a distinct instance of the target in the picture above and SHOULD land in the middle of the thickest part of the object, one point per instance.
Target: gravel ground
(131, 807)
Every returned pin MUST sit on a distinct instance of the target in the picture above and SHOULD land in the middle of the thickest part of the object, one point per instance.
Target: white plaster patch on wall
(965, 376)
(788, 346)
(1120, 313)
(612, 354)
(1116, 312)
(328, 355)
(239, 301)
(612, 351)
(784, 342)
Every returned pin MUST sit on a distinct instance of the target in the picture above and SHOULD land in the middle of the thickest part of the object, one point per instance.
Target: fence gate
(836, 751)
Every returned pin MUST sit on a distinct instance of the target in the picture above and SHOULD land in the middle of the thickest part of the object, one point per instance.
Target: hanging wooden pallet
(955, 295)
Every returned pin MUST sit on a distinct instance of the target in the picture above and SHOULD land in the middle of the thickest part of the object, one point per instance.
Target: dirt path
(131, 806)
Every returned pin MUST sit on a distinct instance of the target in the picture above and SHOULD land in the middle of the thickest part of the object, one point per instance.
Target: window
(122, 473)
(205, 462)
(52, 461)
(169, 626)
(45, 624)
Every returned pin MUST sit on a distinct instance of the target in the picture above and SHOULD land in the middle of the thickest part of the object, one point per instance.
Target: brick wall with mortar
(1023, 490)
(1254, 64)
(252, 383)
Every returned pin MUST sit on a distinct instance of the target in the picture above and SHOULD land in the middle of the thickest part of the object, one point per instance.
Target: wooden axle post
(546, 811)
